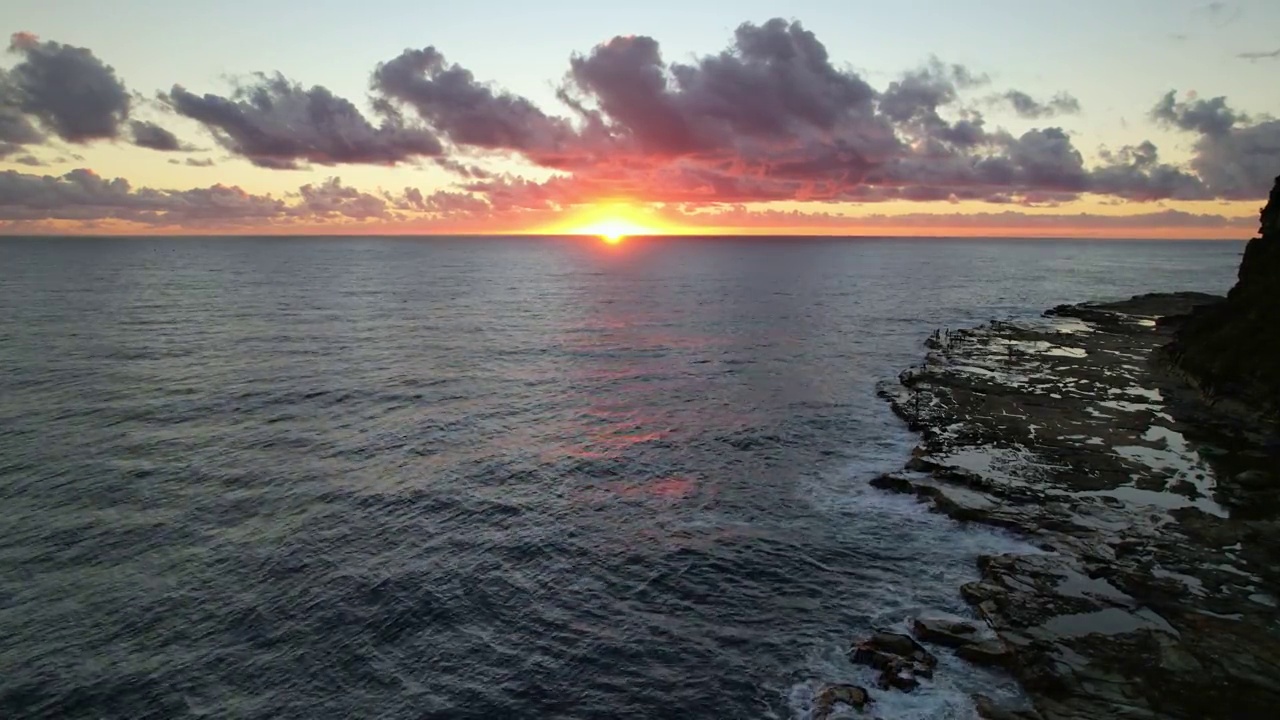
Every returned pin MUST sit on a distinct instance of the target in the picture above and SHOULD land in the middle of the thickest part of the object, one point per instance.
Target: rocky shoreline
(1155, 591)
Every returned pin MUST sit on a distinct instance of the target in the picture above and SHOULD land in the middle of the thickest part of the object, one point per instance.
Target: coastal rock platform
(1155, 592)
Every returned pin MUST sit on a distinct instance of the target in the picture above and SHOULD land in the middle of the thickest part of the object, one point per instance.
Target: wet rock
(851, 695)
(884, 649)
(1152, 600)
(992, 653)
(893, 482)
(949, 630)
(1254, 479)
(978, 592)
(991, 710)
(899, 675)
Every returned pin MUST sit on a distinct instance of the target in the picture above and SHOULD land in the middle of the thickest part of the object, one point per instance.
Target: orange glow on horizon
(612, 223)
(613, 230)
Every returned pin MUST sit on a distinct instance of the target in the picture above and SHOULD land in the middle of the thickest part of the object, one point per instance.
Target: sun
(614, 230)
(612, 222)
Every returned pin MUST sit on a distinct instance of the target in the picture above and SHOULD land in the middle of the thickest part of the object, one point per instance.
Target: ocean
(486, 478)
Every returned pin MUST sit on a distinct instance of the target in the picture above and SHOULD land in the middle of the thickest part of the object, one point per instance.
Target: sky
(1140, 118)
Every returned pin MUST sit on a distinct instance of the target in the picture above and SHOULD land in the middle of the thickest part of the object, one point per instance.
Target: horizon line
(637, 236)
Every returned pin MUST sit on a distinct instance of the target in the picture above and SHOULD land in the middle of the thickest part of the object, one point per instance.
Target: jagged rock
(975, 593)
(1153, 596)
(991, 652)
(883, 649)
(899, 658)
(893, 482)
(851, 695)
(1232, 349)
(899, 675)
(991, 710)
(948, 630)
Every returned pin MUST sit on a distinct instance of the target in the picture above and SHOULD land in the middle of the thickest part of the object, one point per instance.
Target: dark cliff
(1231, 350)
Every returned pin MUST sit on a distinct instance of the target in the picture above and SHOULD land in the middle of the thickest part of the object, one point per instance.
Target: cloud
(1028, 107)
(83, 195)
(276, 123)
(331, 200)
(15, 129)
(919, 95)
(81, 198)
(462, 109)
(67, 89)
(772, 118)
(466, 171)
(1210, 116)
(1235, 157)
(150, 135)
(1241, 164)
(997, 223)
(30, 160)
(193, 162)
(769, 118)
(774, 85)
(1136, 173)
(442, 203)
(1255, 56)
(71, 94)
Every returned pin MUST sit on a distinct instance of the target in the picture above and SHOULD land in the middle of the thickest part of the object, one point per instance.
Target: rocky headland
(1135, 444)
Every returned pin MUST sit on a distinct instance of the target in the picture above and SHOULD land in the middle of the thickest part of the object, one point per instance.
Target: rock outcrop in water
(1155, 594)
(1231, 350)
(1157, 591)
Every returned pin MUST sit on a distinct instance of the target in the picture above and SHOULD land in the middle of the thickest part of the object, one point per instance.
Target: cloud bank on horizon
(710, 141)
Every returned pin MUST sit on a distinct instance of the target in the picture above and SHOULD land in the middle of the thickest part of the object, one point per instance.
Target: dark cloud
(1041, 224)
(441, 202)
(84, 195)
(30, 160)
(769, 118)
(775, 84)
(1254, 56)
(1234, 157)
(466, 171)
(193, 162)
(1028, 107)
(66, 89)
(1047, 160)
(462, 109)
(772, 118)
(331, 200)
(15, 129)
(278, 124)
(1240, 164)
(1136, 173)
(918, 96)
(150, 135)
(1210, 116)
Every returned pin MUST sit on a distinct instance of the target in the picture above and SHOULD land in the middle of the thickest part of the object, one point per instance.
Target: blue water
(398, 478)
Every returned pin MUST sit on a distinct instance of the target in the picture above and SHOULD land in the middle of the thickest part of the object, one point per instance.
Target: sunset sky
(1142, 118)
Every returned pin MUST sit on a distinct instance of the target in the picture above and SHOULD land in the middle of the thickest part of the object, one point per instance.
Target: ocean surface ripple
(391, 478)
